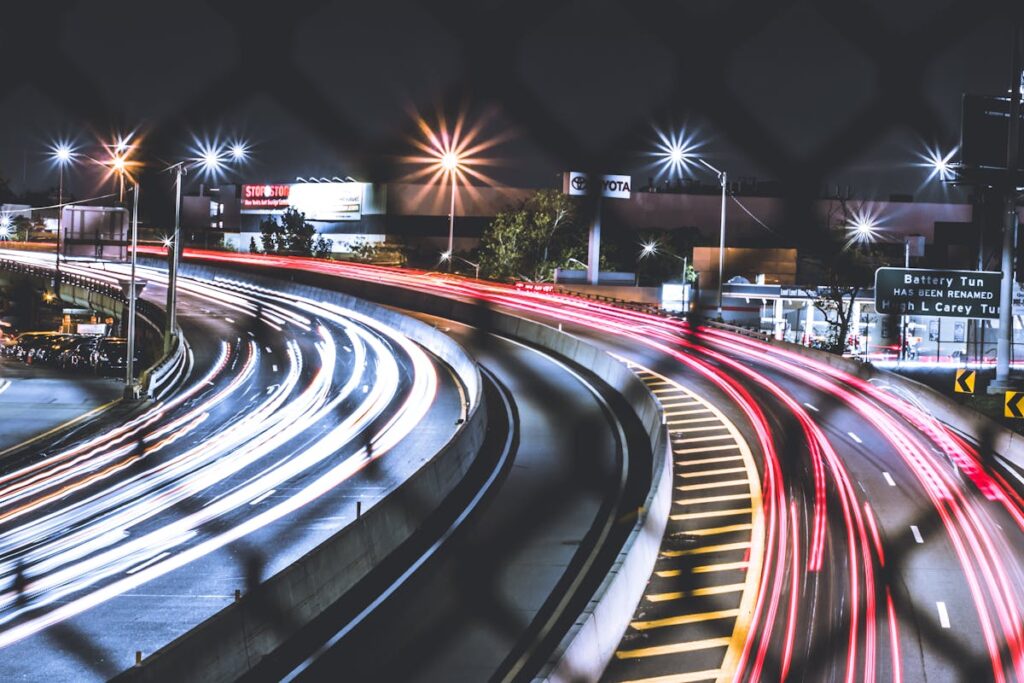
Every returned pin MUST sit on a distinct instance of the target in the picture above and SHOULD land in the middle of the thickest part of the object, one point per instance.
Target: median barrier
(590, 643)
(232, 642)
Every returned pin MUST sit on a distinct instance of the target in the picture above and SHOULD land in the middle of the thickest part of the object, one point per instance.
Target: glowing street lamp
(449, 256)
(62, 154)
(651, 248)
(210, 159)
(451, 156)
(676, 152)
(5, 227)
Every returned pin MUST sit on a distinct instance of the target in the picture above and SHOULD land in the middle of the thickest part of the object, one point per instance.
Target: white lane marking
(888, 478)
(854, 437)
(917, 533)
(274, 366)
(268, 349)
(811, 407)
(230, 320)
(152, 560)
(943, 615)
(262, 497)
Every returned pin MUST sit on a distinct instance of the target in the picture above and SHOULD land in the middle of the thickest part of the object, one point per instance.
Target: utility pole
(129, 380)
(172, 264)
(1004, 342)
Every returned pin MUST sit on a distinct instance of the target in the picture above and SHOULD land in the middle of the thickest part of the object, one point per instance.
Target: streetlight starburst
(674, 153)
(939, 165)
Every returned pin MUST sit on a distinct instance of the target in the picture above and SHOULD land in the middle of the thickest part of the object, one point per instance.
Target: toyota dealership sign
(577, 184)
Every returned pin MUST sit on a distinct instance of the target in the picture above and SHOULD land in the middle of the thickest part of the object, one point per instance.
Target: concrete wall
(230, 643)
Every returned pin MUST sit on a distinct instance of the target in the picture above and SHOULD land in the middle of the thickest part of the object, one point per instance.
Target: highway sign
(1012, 405)
(964, 383)
(942, 293)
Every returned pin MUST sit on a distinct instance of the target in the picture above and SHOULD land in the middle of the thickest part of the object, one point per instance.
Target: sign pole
(594, 245)
(1004, 342)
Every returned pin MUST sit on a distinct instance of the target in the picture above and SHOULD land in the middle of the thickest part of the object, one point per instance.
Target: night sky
(807, 93)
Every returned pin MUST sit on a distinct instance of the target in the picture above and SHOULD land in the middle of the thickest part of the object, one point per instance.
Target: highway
(292, 410)
(888, 547)
(478, 611)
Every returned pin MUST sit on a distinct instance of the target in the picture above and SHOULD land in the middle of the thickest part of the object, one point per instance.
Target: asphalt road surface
(124, 539)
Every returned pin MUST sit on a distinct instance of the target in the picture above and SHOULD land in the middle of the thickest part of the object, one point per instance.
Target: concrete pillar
(779, 319)
(809, 323)
(594, 245)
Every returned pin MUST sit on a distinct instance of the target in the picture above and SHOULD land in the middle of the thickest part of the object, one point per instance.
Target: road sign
(577, 184)
(964, 383)
(942, 293)
(1012, 406)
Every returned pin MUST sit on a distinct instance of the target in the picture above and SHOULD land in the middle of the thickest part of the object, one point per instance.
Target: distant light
(450, 161)
(167, 241)
(210, 159)
(939, 164)
(864, 227)
(5, 227)
(121, 145)
(239, 151)
(119, 163)
(674, 152)
(62, 153)
(648, 249)
(445, 255)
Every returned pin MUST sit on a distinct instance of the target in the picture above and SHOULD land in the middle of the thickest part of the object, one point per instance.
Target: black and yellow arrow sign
(964, 383)
(1012, 406)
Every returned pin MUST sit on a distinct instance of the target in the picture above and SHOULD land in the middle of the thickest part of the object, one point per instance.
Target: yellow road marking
(695, 677)
(706, 428)
(675, 648)
(697, 439)
(692, 420)
(713, 499)
(696, 593)
(728, 529)
(721, 567)
(703, 550)
(685, 619)
(710, 461)
(705, 449)
(711, 513)
(714, 485)
(73, 421)
(711, 473)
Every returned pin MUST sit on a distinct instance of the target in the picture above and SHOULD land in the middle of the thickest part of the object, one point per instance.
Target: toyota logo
(579, 183)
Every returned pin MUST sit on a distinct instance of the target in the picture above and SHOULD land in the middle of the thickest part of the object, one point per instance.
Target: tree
(322, 247)
(292, 235)
(252, 246)
(846, 273)
(530, 240)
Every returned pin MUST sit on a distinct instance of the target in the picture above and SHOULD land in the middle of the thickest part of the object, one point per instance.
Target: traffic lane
(921, 564)
(833, 589)
(37, 400)
(102, 641)
(460, 620)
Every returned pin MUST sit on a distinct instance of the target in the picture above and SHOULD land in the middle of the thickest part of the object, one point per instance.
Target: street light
(449, 256)
(651, 249)
(62, 154)
(676, 153)
(209, 159)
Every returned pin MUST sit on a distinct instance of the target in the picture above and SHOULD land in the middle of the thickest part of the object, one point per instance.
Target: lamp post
(449, 256)
(675, 154)
(62, 156)
(450, 164)
(210, 161)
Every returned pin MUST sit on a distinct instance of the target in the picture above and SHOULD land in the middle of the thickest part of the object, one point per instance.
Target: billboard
(984, 136)
(577, 184)
(942, 293)
(319, 201)
(264, 198)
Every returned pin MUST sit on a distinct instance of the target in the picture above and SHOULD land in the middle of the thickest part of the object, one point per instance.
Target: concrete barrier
(233, 641)
(589, 645)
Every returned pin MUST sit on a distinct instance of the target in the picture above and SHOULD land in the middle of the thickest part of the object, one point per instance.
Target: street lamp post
(675, 153)
(450, 163)
(62, 155)
(449, 256)
(129, 380)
